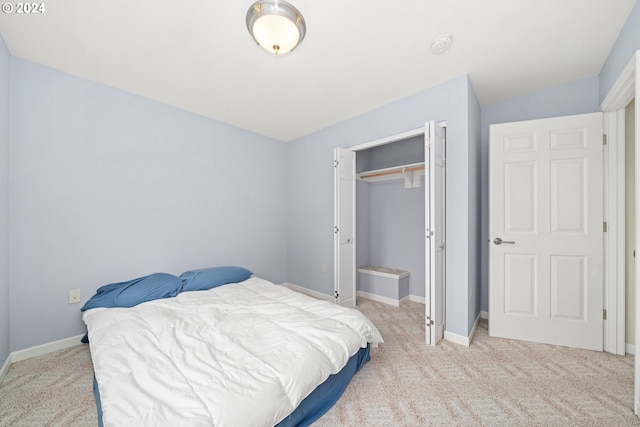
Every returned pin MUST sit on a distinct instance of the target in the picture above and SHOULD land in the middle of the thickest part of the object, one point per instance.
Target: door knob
(499, 241)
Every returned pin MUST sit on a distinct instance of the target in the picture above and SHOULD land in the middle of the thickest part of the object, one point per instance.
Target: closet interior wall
(389, 217)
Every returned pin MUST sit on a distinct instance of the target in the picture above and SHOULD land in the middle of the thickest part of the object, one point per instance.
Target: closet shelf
(376, 270)
(410, 173)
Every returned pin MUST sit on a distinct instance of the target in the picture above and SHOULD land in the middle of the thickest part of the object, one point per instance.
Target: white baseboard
(40, 350)
(456, 339)
(5, 368)
(630, 349)
(390, 301)
(460, 339)
(311, 293)
(484, 315)
(378, 298)
(475, 326)
(362, 294)
(419, 300)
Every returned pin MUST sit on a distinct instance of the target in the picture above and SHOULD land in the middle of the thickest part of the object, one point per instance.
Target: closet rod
(391, 172)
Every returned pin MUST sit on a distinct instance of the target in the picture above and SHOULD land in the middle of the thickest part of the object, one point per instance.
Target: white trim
(456, 339)
(315, 294)
(5, 368)
(40, 350)
(630, 349)
(391, 301)
(393, 138)
(460, 339)
(484, 315)
(636, 382)
(473, 329)
(614, 239)
(387, 139)
(419, 300)
(623, 91)
(619, 289)
(379, 298)
(626, 88)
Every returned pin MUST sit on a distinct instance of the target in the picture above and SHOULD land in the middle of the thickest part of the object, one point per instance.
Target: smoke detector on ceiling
(441, 44)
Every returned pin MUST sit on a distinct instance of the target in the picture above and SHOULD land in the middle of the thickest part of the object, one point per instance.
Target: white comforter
(244, 354)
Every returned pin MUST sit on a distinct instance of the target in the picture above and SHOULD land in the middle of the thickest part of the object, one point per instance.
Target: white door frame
(626, 88)
(614, 247)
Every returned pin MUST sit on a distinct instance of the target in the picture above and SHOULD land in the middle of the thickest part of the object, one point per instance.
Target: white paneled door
(345, 225)
(546, 231)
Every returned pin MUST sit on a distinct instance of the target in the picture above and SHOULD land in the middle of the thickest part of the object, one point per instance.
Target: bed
(246, 353)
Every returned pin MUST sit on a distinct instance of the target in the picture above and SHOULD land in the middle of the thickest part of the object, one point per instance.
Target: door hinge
(336, 294)
(335, 229)
(335, 163)
(604, 227)
(429, 233)
(429, 322)
(604, 139)
(604, 314)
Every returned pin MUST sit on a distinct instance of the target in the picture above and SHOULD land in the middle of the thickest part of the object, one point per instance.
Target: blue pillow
(207, 278)
(136, 291)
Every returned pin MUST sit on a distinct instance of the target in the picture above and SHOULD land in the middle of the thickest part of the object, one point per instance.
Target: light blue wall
(391, 221)
(107, 186)
(310, 189)
(362, 212)
(626, 45)
(396, 230)
(577, 97)
(5, 77)
(407, 151)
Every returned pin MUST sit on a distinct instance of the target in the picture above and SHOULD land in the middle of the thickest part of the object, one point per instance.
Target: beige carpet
(494, 382)
(51, 390)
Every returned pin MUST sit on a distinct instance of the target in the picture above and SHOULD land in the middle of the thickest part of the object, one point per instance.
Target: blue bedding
(313, 406)
(326, 394)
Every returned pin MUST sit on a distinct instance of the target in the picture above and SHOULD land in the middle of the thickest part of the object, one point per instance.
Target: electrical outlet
(324, 268)
(74, 296)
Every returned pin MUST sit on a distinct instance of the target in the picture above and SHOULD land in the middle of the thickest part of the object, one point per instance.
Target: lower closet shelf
(383, 284)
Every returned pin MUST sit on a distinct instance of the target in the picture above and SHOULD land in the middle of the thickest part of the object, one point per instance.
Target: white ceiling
(197, 55)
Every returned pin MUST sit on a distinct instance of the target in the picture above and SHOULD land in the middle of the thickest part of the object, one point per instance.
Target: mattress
(241, 354)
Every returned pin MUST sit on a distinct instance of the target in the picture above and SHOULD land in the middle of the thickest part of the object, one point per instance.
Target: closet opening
(389, 223)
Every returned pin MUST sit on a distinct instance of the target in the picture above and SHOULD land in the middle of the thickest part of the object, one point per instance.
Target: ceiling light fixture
(276, 25)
